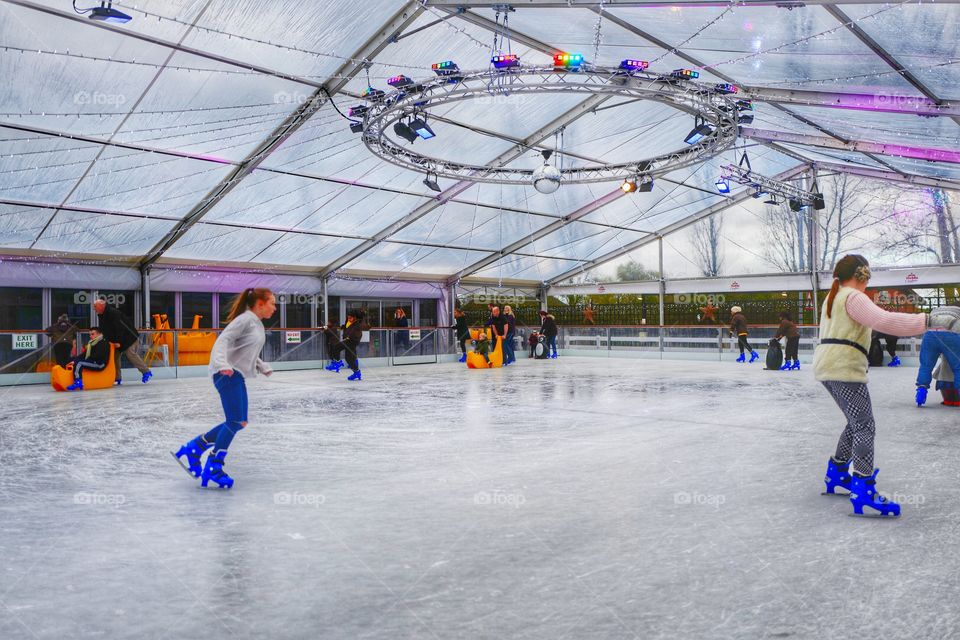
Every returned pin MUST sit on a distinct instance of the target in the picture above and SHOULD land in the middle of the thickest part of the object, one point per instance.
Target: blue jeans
(552, 341)
(509, 353)
(934, 345)
(233, 397)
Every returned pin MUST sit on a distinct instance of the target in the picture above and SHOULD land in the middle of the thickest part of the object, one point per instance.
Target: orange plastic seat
(62, 377)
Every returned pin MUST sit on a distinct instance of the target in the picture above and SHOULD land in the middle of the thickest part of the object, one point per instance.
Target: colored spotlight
(509, 61)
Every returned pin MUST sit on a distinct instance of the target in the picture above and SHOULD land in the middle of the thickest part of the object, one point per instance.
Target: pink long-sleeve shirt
(862, 309)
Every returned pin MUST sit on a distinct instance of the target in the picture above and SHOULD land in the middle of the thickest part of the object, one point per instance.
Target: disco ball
(546, 179)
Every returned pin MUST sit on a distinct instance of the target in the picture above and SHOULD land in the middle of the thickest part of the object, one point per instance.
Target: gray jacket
(238, 347)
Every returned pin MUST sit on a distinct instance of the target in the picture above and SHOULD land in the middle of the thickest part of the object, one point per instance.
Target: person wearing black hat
(120, 330)
(352, 335)
(63, 335)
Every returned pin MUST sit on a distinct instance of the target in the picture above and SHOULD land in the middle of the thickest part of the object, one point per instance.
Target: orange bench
(62, 377)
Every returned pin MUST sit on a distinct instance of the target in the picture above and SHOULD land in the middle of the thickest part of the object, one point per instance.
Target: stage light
(447, 68)
(723, 185)
(746, 118)
(629, 185)
(685, 74)
(795, 205)
(570, 61)
(422, 128)
(356, 127)
(509, 61)
(433, 185)
(405, 132)
(634, 65)
(106, 13)
(373, 95)
(725, 88)
(701, 130)
(818, 202)
(772, 200)
(358, 111)
(745, 105)
(646, 185)
(399, 81)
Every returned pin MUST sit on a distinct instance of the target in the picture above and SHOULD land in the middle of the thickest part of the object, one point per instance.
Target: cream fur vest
(841, 362)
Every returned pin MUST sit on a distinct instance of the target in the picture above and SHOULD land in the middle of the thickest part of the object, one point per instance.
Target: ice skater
(840, 364)
(788, 329)
(463, 331)
(331, 335)
(352, 335)
(93, 357)
(738, 327)
(235, 356)
(942, 340)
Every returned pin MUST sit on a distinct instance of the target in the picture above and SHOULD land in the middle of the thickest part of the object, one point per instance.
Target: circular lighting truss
(708, 106)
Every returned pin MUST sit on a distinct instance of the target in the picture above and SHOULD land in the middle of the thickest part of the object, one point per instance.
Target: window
(298, 313)
(74, 303)
(428, 313)
(125, 301)
(163, 303)
(21, 308)
(226, 303)
(197, 304)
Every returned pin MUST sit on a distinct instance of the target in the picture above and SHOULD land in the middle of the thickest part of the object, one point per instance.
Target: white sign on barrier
(415, 335)
(292, 337)
(24, 341)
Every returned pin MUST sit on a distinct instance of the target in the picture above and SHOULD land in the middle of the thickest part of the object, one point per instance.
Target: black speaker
(795, 205)
(818, 202)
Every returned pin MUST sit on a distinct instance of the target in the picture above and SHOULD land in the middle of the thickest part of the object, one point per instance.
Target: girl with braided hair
(840, 364)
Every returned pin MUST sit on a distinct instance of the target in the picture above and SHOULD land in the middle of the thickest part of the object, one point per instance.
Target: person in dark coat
(738, 327)
(509, 335)
(788, 329)
(352, 335)
(63, 336)
(548, 327)
(498, 323)
(463, 331)
(119, 329)
(331, 337)
(94, 357)
(403, 337)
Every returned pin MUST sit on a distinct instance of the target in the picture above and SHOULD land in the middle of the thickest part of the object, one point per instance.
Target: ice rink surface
(578, 498)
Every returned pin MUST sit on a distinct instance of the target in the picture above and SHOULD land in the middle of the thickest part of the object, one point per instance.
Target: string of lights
(675, 48)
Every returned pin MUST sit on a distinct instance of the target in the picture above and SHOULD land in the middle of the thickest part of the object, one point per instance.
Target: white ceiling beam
(879, 148)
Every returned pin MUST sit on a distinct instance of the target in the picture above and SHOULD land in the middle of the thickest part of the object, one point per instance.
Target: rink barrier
(289, 349)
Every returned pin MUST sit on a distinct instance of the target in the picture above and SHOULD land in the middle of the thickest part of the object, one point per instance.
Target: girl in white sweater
(840, 363)
(234, 357)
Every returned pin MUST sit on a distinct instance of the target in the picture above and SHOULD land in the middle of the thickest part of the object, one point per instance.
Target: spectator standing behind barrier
(463, 331)
(93, 357)
(788, 329)
(588, 314)
(510, 332)
(548, 327)
(63, 335)
(120, 330)
(403, 337)
(738, 327)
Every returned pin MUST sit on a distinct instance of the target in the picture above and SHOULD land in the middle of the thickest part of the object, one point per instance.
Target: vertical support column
(177, 311)
(326, 303)
(46, 312)
(814, 248)
(662, 293)
(313, 311)
(544, 290)
(145, 294)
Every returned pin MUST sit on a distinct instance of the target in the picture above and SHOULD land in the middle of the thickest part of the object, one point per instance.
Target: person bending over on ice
(94, 358)
(234, 358)
(463, 331)
(840, 364)
(788, 329)
(942, 339)
(738, 327)
(331, 336)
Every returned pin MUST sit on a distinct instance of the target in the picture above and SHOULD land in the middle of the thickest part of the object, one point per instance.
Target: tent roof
(202, 131)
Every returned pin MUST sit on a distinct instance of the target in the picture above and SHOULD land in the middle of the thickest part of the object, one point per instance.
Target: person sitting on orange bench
(94, 356)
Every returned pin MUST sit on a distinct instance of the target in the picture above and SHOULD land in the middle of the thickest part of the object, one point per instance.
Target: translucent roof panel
(41, 169)
(517, 267)
(585, 241)
(889, 128)
(834, 155)
(305, 250)
(225, 244)
(98, 233)
(399, 259)
(20, 226)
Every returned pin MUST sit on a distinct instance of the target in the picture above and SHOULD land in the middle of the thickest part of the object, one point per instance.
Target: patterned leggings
(853, 398)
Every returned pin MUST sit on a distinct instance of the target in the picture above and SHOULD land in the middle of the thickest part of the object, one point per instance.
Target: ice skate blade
(837, 495)
(876, 515)
(183, 466)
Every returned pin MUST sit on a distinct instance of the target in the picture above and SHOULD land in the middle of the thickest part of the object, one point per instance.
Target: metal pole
(543, 297)
(145, 292)
(662, 292)
(814, 248)
(326, 303)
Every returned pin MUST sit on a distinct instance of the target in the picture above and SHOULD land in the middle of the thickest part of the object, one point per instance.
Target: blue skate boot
(146, 377)
(192, 451)
(462, 359)
(76, 386)
(742, 358)
(895, 362)
(921, 396)
(355, 376)
(754, 356)
(838, 475)
(332, 366)
(796, 365)
(863, 493)
(786, 366)
(213, 470)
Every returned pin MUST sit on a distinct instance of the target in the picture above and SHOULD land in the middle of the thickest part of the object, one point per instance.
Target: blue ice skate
(192, 451)
(838, 475)
(355, 376)
(146, 377)
(76, 386)
(754, 356)
(895, 362)
(332, 366)
(742, 358)
(796, 365)
(213, 470)
(863, 493)
(786, 366)
(463, 358)
(921, 396)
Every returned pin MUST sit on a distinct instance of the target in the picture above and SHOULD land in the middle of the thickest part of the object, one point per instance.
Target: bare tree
(706, 238)
(922, 224)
